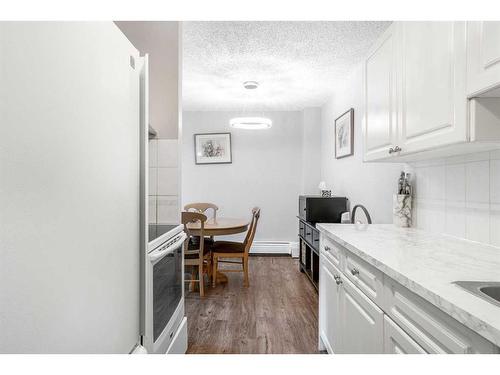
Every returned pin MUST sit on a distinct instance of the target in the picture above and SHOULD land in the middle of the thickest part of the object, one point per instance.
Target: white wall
(460, 196)
(161, 40)
(311, 147)
(370, 184)
(266, 171)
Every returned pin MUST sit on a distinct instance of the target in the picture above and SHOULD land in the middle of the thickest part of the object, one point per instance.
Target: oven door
(164, 297)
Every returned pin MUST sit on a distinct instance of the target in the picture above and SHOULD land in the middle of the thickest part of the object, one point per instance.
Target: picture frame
(212, 148)
(344, 134)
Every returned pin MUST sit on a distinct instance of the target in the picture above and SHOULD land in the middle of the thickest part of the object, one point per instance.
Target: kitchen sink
(489, 291)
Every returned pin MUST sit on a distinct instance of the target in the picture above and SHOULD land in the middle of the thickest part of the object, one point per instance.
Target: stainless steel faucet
(353, 213)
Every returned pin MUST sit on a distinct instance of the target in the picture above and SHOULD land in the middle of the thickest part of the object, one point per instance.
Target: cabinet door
(483, 57)
(396, 341)
(433, 74)
(329, 299)
(379, 129)
(362, 322)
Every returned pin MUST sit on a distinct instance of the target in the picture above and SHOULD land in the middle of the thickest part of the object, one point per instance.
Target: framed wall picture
(344, 134)
(212, 148)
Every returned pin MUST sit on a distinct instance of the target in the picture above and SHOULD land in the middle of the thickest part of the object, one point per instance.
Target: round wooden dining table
(220, 226)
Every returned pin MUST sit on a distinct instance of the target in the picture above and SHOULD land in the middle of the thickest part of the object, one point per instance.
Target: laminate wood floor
(277, 313)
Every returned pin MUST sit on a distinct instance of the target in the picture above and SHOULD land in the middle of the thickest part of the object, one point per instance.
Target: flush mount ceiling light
(250, 123)
(250, 85)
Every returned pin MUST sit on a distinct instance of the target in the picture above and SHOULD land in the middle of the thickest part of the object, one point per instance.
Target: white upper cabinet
(380, 97)
(433, 73)
(483, 57)
(417, 83)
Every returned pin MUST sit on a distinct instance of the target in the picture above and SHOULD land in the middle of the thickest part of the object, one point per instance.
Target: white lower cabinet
(397, 341)
(349, 322)
(362, 322)
(432, 329)
(379, 315)
(329, 300)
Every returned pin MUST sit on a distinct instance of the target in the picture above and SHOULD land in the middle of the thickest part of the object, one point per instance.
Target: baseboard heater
(275, 247)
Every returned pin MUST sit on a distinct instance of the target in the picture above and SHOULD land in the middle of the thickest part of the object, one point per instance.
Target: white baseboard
(274, 247)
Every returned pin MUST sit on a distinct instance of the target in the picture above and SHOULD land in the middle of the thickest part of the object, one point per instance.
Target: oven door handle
(156, 255)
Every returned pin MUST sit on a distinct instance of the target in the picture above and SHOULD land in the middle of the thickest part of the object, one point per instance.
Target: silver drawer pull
(355, 272)
(338, 279)
(327, 248)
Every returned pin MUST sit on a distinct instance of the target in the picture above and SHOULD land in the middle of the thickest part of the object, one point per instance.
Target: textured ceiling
(296, 63)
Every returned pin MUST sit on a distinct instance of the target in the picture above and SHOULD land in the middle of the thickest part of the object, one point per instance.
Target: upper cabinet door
(433, 75)
(379, 130)
(483, 57)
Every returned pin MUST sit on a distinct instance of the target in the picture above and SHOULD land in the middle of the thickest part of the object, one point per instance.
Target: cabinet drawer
(434, 330)
(333, 252)
(396, 341)
(364, 276)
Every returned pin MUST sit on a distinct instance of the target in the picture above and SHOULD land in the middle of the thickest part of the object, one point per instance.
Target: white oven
(164, 322)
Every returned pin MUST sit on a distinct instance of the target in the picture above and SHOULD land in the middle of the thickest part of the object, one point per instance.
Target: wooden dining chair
(197, 253)
(202, 208)
(235, 250)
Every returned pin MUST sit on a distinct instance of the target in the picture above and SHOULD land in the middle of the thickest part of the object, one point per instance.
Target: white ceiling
(296, 63)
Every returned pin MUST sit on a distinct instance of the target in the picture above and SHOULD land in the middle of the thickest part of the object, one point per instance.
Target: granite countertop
(427, 264)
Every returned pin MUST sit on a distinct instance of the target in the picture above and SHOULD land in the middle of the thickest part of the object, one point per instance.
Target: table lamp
(324, 191)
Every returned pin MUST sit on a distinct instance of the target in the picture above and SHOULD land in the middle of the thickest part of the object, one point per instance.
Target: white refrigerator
(70, 188)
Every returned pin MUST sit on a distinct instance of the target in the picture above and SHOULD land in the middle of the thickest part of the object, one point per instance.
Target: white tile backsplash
(456, 219)
(152, 209)
(168, 210)
(495, 155)
(455, 183)
(478, 224)
(168, 181)
(495, 181)
(477, 182)
(163, 181)
(495, 225)
(153, 153)
(168, 156)
(436, 189)
(153, 181)
(460, 196)
(431, 215)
